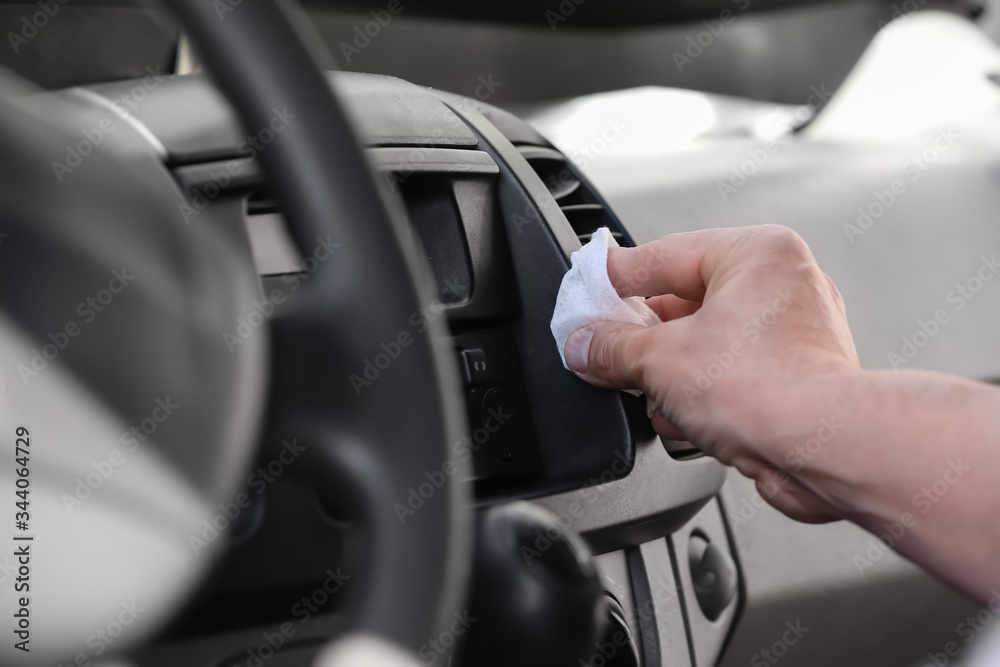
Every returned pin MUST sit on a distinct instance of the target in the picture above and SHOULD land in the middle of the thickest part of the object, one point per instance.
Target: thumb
(610, 354)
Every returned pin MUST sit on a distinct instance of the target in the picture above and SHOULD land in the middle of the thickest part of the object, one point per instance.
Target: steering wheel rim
(416, 568)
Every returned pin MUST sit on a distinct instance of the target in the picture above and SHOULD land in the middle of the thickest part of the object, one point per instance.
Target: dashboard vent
(586, 212)
(578, 201)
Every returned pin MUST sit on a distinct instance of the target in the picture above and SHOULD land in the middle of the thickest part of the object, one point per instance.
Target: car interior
(276, 283)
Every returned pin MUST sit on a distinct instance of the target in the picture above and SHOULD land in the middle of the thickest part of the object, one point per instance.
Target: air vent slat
(554, 171)
(584, 209)
(587, 219)
(562, 189)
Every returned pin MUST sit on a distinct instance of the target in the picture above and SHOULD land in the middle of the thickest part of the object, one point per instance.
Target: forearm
(916, 459)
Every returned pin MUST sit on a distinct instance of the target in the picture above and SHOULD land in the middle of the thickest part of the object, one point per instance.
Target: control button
(713, 574)
(477, 368)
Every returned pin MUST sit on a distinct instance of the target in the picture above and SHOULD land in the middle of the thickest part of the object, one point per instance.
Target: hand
(753, 343)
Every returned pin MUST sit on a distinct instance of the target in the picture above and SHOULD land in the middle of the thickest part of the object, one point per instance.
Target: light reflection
(634, 122)
(922, 71)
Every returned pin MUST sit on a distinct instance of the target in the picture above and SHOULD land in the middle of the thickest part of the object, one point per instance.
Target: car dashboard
(497, 210)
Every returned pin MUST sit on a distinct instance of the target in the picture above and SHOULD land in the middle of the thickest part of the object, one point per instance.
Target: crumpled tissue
(586, 294)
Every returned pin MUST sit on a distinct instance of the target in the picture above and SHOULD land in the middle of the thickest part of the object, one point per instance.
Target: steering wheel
(158, 359)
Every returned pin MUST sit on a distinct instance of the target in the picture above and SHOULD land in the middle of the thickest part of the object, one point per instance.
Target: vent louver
(579, 202)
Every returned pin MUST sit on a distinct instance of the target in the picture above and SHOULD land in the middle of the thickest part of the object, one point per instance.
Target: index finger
(670, 265)
(686, 264)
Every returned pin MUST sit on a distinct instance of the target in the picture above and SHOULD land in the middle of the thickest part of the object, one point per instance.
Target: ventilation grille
(587, 212)
(578, 201)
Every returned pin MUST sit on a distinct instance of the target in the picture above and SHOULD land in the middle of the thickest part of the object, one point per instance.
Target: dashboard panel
(497, 254)
(497, 210)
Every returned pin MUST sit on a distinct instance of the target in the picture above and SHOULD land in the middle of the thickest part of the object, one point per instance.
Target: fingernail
(578, 350)
(650, 406)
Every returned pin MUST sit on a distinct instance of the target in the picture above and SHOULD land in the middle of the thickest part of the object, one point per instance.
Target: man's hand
(752, 327)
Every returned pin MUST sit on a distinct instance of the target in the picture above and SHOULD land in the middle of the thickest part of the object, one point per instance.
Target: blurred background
(773, 51)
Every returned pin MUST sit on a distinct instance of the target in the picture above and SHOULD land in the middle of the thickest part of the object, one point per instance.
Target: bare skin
(755, 365)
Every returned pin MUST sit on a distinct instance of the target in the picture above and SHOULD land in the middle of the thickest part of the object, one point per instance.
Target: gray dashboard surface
(386, 112)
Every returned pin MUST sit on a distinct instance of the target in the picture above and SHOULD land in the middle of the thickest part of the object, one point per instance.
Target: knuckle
(602, 355)
(783, 241)
(618, 355)
(642, 354)
(835, 292)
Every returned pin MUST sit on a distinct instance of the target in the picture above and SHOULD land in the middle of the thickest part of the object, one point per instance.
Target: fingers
(616, 355)
(671, 265)
(610, 354)
(669, 307)
(797, 502)
(685, 264)
(665, 429)
(613, 355)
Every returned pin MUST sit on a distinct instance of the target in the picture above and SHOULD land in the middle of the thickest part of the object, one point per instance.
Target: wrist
(815, 434)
